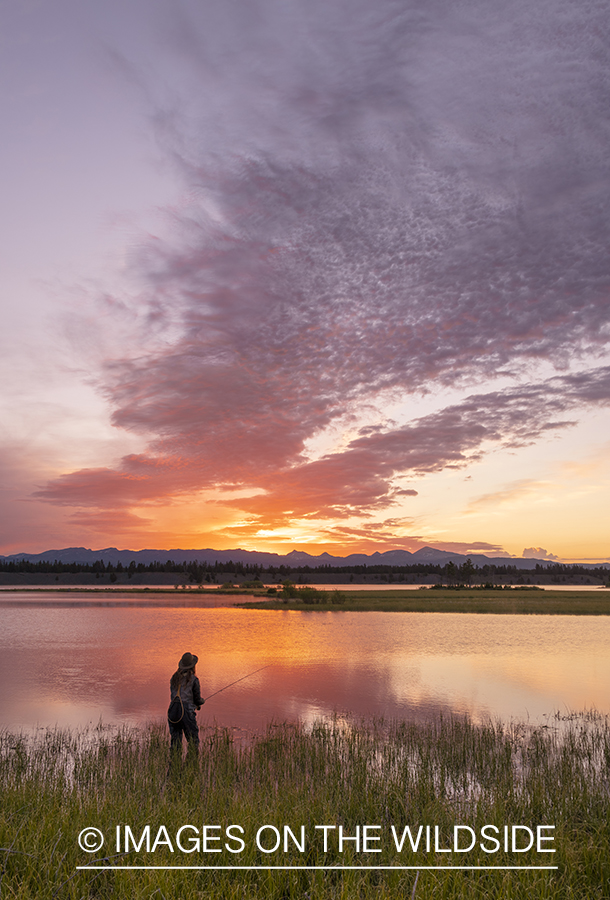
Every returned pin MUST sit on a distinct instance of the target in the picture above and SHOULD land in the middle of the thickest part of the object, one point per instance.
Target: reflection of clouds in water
(519, 686)
(308, 713)
(116, 664)
(67, 714)
(423, 683)
(571, 680)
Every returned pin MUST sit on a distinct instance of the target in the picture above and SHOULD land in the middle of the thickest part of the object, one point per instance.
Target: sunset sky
(314, 274)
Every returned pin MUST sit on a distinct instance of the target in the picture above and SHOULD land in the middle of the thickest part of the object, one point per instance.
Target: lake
(76, 666)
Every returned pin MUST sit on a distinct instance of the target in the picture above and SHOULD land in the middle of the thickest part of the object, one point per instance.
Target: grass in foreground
(503, 602)
(445, 773)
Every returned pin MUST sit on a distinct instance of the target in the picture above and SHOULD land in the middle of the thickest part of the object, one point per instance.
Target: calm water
(8, 591)
(79, 665)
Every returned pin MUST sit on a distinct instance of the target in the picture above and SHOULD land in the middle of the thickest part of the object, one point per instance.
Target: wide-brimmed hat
(188, 661)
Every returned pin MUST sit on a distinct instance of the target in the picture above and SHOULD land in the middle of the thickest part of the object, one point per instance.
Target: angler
(186, 701)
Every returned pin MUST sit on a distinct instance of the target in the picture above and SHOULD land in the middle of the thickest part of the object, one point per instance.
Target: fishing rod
(234, 682)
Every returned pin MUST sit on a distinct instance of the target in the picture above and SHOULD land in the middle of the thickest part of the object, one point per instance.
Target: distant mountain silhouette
(295, 558)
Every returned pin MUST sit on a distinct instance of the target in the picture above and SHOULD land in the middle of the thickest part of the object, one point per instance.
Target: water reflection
(75, 666)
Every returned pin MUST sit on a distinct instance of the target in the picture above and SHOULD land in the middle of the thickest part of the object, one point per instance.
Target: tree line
(198, 572)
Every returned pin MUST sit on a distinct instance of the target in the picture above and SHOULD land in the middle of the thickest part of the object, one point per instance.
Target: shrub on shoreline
(310, 595)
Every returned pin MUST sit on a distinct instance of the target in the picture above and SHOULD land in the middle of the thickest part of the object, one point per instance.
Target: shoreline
(506, 601)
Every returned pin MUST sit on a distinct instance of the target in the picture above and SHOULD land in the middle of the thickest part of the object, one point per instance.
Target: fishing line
(235, 682)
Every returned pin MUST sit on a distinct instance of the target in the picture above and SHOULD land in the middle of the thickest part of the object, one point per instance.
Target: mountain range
(295, 558)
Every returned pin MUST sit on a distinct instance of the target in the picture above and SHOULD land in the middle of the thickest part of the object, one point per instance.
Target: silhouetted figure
(186, 699)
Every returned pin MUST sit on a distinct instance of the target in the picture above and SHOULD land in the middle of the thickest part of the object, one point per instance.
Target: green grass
(445, 772)
(522, 602)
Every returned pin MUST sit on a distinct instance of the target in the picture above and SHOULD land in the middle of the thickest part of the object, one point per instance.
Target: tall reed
(447, 772)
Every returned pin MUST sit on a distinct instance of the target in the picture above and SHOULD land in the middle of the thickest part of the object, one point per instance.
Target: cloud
(359, 479)
(537, 553)
(473, 547)
(139, 479)
(356, 480)
(380, 200)
(25, 524)
(515, 492)
(116, 522)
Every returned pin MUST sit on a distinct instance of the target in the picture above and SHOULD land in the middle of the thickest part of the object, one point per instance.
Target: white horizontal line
(326, 868)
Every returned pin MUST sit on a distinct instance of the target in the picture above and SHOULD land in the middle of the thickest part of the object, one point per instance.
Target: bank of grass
(446, 772)
(504, 602)
(507, 601)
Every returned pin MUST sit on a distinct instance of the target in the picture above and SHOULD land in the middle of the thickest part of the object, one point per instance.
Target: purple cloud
(380, 198)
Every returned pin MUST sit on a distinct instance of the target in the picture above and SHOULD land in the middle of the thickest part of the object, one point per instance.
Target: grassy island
(507, 601)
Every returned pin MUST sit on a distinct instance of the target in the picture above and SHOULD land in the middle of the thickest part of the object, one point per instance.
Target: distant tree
(450, 573)
(467, 571)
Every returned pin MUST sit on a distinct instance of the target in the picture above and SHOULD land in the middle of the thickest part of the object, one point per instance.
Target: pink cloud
(355, 481)
(117, 521)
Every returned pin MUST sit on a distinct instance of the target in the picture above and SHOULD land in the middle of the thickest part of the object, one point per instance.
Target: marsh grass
(500, 602)
(446, 772)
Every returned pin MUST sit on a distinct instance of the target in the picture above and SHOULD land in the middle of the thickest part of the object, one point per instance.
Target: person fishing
(185, 701)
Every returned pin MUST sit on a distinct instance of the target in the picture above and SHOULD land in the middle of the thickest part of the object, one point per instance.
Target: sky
(328, 275)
